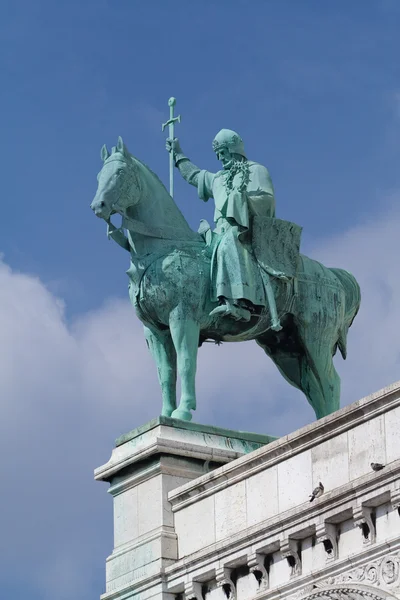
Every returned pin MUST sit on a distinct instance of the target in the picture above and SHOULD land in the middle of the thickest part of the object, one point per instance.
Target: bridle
(123, 186)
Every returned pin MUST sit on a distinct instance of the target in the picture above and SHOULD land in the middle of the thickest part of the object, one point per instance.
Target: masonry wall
(202, 513)
(255, 512)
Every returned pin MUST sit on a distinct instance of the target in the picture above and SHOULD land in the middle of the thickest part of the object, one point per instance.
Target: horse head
(118, 182)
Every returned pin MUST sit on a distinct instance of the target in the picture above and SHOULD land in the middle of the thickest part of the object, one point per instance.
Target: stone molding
(173, 437)
(160, 466)
(383, 572)
(296, 586)
(193, 590)
(395, 496)
(288, 446)
(374, 580)
(294, 522)
(347, 592)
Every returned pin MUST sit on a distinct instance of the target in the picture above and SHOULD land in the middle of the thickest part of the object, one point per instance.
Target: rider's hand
(173, 146)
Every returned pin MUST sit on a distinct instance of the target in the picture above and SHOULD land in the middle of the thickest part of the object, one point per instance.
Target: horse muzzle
(100, 208)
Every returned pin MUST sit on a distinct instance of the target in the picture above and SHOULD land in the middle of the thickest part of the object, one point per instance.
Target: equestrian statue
(244, 279)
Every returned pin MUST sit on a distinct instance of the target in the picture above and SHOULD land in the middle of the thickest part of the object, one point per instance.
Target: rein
(163, 232)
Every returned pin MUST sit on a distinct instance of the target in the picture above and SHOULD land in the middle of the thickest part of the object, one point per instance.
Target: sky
(314, 90)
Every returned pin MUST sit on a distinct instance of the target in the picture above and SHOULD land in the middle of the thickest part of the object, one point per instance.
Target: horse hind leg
(162, 349)
(285, 351)
(306, 366)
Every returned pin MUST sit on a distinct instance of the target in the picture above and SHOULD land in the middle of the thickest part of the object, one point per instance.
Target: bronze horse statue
(170, 290)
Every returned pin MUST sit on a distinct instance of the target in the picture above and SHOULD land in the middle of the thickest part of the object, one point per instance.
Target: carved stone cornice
(223, 577)
(326, 534)
(193, 590)
(255, 562)
(362, 516)
(288, 548)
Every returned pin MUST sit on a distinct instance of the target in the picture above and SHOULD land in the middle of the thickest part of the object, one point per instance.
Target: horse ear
(104, 153)
(122, 148)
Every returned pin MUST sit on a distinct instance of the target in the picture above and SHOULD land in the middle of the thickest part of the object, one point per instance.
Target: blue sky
(313, 88)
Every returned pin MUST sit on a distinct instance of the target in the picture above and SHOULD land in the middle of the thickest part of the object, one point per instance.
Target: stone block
(350, 540)
(126, 525)
(294, 481)
(262, 496)
(366, 445)
(387, 523)
(279, 571)
(150, 505)
(392, 434)
(195, 526)
(247, 587)
(330, 462)
(230, 510)
(307, 555)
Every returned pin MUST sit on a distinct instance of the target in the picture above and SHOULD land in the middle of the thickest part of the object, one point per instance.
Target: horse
(170, 289)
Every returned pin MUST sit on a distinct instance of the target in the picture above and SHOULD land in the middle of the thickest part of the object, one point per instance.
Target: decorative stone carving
(382, 573)
(289, 551)
(362, 516)
(256, 566)
(389, 570)
(347, 592)
(223, 577)
(326, 534)
(193, 591)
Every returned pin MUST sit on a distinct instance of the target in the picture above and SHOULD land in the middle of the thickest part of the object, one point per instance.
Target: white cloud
(370, 251)
(66, 391)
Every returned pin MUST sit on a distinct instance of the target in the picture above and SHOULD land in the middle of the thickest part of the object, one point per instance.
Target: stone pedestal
(145, 466)
(208, 514)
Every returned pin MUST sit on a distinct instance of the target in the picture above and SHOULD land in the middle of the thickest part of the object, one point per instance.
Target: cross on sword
(171, 124)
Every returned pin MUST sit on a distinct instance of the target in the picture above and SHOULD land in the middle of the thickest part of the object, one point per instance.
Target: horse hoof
(182, 414)
(167, 412)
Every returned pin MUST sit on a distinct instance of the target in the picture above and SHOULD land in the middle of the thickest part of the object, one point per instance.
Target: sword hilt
(172, 120)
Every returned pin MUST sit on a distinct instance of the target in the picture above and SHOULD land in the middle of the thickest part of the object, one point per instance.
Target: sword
(171, 124)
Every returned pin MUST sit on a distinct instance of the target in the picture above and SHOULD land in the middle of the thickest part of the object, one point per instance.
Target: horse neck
(156, 209)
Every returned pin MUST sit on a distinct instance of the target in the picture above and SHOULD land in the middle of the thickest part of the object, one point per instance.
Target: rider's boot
(231, 309)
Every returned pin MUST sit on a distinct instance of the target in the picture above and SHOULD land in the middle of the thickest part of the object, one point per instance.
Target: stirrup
(230, 310)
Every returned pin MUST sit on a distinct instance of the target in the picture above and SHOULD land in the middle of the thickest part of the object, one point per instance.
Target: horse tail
(352, 305)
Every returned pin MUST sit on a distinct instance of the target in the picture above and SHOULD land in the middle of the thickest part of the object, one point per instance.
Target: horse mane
(155, 176)
(171, 204)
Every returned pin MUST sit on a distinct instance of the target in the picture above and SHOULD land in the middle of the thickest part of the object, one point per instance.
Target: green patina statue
(246, 280)
(244, 198)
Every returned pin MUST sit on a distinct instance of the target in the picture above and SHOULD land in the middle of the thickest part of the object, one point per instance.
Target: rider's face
(225, 157)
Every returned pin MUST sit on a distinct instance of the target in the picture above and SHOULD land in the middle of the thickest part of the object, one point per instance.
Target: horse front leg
(163, 352)
(185, 335)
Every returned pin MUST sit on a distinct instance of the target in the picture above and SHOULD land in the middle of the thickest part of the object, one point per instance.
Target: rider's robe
(235, 272)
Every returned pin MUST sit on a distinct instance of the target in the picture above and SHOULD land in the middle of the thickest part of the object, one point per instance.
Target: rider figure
(241, 190)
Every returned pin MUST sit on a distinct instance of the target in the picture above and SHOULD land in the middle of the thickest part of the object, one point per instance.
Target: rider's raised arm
(190, 172)
(200, 178)
(187, 169)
